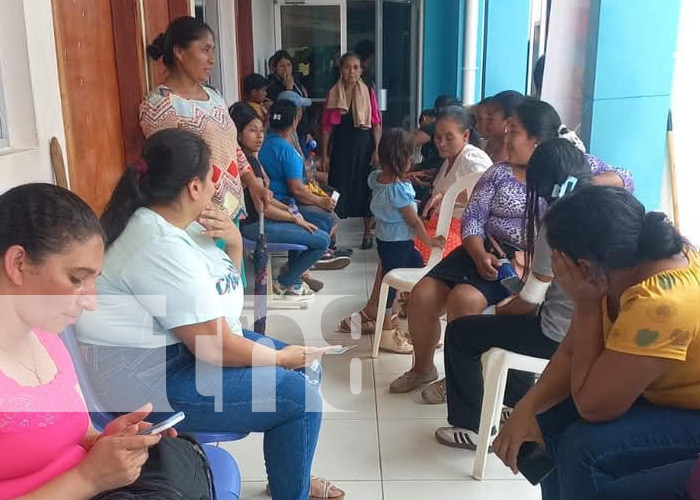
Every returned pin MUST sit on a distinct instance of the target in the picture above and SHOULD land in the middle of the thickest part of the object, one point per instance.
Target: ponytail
(570, 135)
(609, 227)
(126, 198)
(171, 159)
(658, 239)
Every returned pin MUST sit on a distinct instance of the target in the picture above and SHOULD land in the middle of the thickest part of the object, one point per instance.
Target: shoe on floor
(435, 393)
(329, 261)
(457, 437)
(367, 242)
(410, 381)
(314, 284)
(296, 292)
(395, 341)
(342, 251)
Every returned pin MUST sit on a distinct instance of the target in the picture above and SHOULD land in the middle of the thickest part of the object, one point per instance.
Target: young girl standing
(394, 207)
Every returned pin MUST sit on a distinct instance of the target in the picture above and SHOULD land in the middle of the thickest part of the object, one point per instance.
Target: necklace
(35, 370)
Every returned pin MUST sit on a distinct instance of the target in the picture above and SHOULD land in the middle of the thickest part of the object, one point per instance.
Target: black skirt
(351, 155)
(458, 268)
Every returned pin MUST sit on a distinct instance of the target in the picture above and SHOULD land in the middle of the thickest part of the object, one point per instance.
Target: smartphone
(534, 463)
(335, 196)
(164, 425)
(338, 349)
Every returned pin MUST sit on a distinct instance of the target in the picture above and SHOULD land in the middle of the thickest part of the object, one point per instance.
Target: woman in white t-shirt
(167, 329)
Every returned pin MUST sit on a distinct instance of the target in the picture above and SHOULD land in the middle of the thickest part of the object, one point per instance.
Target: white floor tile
(354, 490)
(409, 451)
(460, 490)
(348, 450)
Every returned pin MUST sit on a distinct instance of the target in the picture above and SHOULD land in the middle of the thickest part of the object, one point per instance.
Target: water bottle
(508, 277)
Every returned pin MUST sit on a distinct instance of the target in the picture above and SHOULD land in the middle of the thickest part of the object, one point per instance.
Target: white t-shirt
(157, 277)
(470, 160)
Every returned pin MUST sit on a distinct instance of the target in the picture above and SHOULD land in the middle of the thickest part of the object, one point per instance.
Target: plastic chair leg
(379, 322)
(495, 377)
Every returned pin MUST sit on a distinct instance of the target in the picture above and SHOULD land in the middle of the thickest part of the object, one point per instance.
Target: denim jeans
(287, 232)
(323, 219)
(642, 455)
(285, 405)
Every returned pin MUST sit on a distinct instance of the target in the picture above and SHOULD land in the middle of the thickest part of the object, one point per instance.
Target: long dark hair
(171, 159)
(550, 165)
(610, 227)
(539, 119)
(506, 102)
(44, 219)
(180, 33)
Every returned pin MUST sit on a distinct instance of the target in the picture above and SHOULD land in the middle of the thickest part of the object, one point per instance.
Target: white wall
(32, 92)
(263, 33)
(686, 109)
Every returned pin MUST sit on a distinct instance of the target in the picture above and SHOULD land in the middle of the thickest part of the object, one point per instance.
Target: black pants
(395, 255)
(466, 340)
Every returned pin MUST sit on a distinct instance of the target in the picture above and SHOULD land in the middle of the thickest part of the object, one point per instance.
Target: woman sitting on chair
(51, 245)
(621, 395)
(170, 306)
(281, 224)
(465, 282)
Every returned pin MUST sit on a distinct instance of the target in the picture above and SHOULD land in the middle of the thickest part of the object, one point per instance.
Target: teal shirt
(387, 202)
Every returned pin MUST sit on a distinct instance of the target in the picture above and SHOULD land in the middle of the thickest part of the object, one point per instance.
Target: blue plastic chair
(227, 476)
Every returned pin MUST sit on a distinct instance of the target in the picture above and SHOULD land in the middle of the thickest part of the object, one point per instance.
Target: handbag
(177, 469)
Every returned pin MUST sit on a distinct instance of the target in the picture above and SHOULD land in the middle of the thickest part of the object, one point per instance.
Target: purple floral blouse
(497, 206)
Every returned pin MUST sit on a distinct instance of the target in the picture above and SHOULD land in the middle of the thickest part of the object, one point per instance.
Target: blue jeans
(645, 454)
(287, 232)
(285, 405)
(323, 219)
(395, 255)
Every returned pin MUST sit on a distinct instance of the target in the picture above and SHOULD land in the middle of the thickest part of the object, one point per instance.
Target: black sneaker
(342, 251)
(329, 262)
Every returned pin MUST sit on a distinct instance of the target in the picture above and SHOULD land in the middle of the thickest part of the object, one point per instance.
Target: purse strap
(497, 248)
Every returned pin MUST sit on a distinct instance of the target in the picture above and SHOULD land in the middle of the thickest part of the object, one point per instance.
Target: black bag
(177, 469)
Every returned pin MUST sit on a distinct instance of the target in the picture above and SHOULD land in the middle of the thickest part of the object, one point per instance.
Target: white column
(471, 28)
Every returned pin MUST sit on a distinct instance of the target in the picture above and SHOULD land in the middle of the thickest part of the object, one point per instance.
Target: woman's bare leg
(427, 303)
(465, 300)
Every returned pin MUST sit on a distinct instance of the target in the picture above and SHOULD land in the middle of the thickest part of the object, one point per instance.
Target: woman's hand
(304, 224)
(433, 205)
(132, 423)
(260, 194)
(294, 357)
(582, 287)
(327, 203)
(520, 427)
(115, 461)
(218, 224)
(487, 266)
(288, 80)
(438, 242)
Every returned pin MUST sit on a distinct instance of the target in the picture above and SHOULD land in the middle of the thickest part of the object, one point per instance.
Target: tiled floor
(375, 445)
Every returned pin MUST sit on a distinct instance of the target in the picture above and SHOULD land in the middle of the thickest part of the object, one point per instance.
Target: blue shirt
(282, 163)
(386, 205)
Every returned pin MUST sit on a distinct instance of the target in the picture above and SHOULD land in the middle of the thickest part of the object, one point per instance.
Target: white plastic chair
(496, 364)
(404, 279)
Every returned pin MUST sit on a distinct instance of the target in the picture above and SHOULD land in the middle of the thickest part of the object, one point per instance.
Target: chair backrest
(98, 415)
(449, 199)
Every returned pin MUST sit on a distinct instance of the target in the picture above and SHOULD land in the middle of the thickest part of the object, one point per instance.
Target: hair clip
(276, 116)
(567, 187)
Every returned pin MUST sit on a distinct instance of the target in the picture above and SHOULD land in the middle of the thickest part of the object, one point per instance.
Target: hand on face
(578, 281)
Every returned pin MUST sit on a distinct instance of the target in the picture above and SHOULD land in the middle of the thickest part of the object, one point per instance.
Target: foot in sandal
(322, 488)
(362, 322)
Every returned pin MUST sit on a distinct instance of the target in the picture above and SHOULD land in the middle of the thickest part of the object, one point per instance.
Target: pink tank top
(40, 427)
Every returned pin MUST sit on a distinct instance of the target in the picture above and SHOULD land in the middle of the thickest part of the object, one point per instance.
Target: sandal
(366, 324)
(328, 488)
(367, 242)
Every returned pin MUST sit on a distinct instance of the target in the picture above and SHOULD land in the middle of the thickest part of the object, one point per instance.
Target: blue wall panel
(441, 48)
(507, 38)
(627, 91)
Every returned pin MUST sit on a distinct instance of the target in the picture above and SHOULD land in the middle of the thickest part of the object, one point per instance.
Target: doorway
(318, 32)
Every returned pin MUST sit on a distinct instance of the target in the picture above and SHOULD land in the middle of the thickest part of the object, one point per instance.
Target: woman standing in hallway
(185, 101)
(352, 120)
